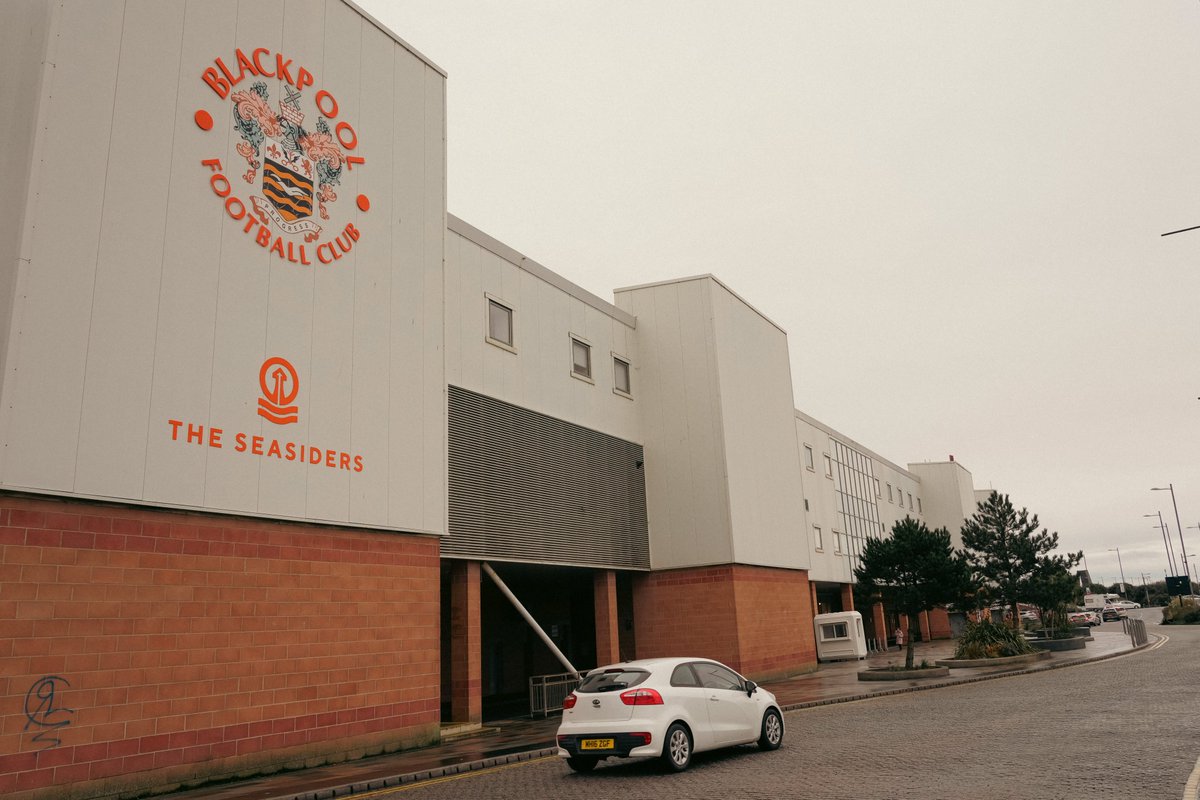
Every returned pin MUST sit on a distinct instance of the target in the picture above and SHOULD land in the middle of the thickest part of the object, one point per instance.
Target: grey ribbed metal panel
(525, 486)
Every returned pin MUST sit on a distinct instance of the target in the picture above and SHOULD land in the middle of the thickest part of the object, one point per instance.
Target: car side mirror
(751, 688)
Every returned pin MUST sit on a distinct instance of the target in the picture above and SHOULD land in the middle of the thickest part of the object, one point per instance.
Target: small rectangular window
(890, 493)
(839, 542)
(828, 467)
(834, 630)
(910, 501)
(621, 376)
(817, 543)
(581, 358)
(500, 323)
(877, 492)
(919, 509)
(808, 457)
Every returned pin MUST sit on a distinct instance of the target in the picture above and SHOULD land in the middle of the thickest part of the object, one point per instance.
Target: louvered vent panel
(528, 487)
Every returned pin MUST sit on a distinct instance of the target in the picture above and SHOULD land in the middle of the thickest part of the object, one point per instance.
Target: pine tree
(1006, 551)
(913, 570)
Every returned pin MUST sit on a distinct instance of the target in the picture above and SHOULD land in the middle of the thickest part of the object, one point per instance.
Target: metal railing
(1136, 629)
(546, 692)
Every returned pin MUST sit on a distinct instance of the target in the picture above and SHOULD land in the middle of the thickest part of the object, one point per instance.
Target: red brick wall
(608, 632)
(186, 646)
(686, 612)
(757, 620)
(939, 624)
(466, 678)
(775, 622)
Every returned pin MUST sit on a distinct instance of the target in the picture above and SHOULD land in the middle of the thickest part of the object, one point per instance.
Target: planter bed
(1001, 661)
(884, 674)
(1059, 645)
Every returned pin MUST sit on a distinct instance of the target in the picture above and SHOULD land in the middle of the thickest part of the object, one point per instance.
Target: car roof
(652, 664)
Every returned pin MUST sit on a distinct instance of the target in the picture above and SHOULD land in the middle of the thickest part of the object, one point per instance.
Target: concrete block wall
(143, 649)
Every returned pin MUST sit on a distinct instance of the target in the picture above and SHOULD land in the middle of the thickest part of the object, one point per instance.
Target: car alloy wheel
(677, 750)
(772, 730)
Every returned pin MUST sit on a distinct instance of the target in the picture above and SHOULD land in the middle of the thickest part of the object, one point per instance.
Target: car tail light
(641, 697)
(643, 735)
(570, 700)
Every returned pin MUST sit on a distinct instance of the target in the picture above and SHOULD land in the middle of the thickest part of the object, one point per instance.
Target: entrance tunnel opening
(562, 601)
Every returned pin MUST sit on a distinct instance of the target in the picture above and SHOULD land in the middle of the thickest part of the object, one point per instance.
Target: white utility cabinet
(840, 636)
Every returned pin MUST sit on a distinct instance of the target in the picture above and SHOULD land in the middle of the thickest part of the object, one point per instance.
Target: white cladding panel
(24, 26)
(820, 491)
(145, 298)
(948, 491)
(687, 499)
(757, 414)
(535, 373)
(827, 564)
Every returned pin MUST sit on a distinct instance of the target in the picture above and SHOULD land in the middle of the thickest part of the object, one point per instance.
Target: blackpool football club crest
(300, 168)
(297, 150)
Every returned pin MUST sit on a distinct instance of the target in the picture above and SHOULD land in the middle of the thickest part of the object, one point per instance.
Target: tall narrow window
(817, 543)
(828, 467)
(621, 376)
(500, 323)
(581, 358)
(808, 457)
(889, 493)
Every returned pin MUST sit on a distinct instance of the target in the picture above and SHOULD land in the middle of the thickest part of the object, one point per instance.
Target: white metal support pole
(512, 598)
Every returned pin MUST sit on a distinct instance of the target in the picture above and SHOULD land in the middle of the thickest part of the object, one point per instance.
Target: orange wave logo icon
(280, 384)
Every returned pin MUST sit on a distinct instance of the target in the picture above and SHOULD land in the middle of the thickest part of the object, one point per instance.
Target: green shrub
(1187, 613)
(987, 639)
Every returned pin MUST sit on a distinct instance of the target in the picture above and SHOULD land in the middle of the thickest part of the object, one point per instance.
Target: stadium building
(297, 467)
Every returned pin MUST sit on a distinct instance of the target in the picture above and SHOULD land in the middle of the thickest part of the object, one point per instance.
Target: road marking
(1192, 786)
(447, 778)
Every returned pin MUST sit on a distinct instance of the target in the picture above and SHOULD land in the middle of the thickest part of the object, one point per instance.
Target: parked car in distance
(1112, 613)
(1126, 604)
(1084, 618)
(668, 708)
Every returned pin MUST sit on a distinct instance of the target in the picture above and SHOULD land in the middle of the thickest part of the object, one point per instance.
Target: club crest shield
(288, 182)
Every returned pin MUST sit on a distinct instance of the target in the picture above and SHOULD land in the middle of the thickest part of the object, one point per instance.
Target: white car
(665, 707)
(1126, 604)
(1091, 618)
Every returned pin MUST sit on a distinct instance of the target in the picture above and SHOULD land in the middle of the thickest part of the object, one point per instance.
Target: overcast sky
(953, 209)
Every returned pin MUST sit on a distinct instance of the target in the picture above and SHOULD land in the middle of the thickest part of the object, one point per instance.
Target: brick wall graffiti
(44, 711)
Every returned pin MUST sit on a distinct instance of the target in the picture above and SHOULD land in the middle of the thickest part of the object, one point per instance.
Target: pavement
(507, 741)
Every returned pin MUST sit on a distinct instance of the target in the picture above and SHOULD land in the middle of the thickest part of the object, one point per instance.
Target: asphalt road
(1126, 728)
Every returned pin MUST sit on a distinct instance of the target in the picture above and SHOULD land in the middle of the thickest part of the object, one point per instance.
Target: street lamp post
(1191, 528)
(1170, 487)
(1147, 590)
(1166, 541)
(1122, 566)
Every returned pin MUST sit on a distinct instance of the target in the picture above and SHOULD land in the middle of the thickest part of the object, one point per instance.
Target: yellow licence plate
(596, 744)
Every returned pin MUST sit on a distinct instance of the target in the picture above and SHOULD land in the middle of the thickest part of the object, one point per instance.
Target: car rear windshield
(613, 680)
